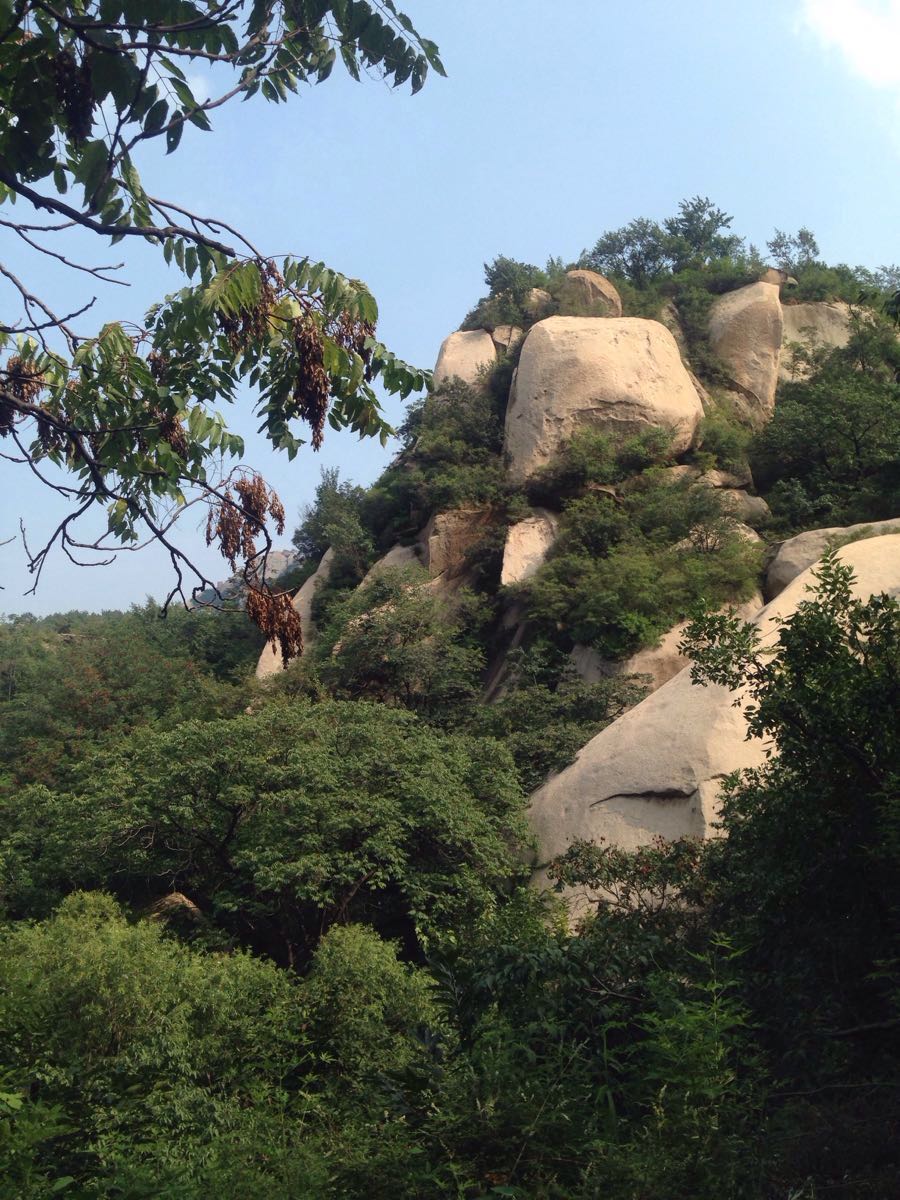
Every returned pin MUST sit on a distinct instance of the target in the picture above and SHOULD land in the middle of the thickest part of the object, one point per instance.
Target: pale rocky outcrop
(822, 325)
(797, 553)
(449, 535)
(745, 330)
(657, 769)
(588, 294)
(668, 316)
(528, 543)
(464, 355)
(270, 661)
(621, 374)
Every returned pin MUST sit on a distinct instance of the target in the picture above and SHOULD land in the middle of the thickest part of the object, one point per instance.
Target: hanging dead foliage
(276, 616)
(312, 387)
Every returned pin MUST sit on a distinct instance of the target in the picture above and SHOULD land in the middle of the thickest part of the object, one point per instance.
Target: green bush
(621, 574)
(279, 824)
(829, 455)
(399, 642)
(123, 1045)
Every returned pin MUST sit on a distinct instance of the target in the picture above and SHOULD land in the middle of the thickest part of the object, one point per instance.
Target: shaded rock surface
(449, 535)
(464, 355)
(745, 332)
(619, 374)
(270, 661)
(657, 769)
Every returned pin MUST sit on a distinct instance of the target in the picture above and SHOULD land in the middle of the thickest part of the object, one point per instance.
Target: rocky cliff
(553, 383)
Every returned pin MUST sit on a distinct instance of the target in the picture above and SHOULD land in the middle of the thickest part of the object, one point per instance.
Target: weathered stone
(819, 326)
(677, 474)
(668, 316)
(752, 510)
(527, 544)
(449, 535)
(588, 294)
(270, 661)
(657, 770)
(464, 355)
(797, 553)
(619, 375)
(537, 304)
(398, 556)
(506, 337)
(726, 479)
(745, 328)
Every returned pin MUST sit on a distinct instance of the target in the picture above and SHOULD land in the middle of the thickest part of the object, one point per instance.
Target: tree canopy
(126, 411)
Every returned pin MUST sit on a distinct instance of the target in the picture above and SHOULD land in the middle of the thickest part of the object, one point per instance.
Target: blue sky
(557, 122)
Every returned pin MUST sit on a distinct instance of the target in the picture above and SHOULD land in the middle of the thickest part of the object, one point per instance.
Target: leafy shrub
(829, 455)
(452, 442)
(545, 713)
(399, 642)
(724, 440)
(620, 575)
(129, 1040)
(591, 457)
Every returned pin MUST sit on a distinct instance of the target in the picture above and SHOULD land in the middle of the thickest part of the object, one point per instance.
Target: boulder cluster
(657, 769)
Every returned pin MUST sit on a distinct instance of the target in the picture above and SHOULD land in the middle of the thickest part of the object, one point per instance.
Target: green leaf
(156, 117)
(173, 136)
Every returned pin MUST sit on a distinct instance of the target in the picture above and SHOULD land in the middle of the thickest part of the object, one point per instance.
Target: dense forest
(277, 938)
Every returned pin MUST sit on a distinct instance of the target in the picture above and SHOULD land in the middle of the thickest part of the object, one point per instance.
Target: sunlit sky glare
(557, 122)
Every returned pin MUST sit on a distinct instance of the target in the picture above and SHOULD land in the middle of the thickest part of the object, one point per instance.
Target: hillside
(561, 862)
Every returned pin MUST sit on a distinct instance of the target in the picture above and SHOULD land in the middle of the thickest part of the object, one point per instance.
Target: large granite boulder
(619, 375)
(797, 553)
(588, 294)
(822, 325)
(657, 769)
(270, 661)
(745, 331)
(464, 355)
(528, 543)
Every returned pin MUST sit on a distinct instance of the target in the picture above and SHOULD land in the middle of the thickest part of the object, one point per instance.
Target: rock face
(751, 510)
(537, 303)
(448, 536)
(270, 661)
(527, 544)
(745, 331)
(657, 769)
(463, 355)
(800, 552)
(506, 337)
(588, 294)
(621, 374)
(824, 325)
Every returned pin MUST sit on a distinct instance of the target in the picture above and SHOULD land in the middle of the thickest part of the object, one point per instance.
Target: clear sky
(558, 121)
